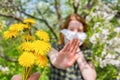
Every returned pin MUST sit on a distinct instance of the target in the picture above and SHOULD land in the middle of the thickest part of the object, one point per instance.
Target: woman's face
(75, 26)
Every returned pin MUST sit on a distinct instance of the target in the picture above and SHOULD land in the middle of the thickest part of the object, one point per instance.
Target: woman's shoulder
(55, 49)
(87, 51)
(57, 46)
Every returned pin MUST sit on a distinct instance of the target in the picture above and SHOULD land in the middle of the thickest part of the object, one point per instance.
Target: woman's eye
(71, 29)
(79, 30)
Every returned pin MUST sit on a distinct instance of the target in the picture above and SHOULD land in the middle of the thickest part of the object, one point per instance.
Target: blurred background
(102, 16)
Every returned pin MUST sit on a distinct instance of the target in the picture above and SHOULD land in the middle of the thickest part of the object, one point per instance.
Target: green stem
(26, 72)
(23, 76)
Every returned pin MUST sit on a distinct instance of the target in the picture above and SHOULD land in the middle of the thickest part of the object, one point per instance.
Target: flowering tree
(105, 37)
(102, 16)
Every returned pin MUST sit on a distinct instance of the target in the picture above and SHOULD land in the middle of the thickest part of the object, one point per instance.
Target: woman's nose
(75, 31)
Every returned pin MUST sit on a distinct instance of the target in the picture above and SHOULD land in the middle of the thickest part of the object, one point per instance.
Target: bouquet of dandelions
(34, 49)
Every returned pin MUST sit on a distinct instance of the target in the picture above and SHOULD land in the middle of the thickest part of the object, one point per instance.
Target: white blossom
(105, 12)
(105, 32)
(96, 25)
(42, 5)
(114, 42)
(117, 29)
(103, 63)
(94, 37)
(118, 21)
(110, 56)
(118, 78)
(4, 69)
(117, 50)
(103, 53)
(0, 67)
(88, 18)
(115, 62)
(109, 17)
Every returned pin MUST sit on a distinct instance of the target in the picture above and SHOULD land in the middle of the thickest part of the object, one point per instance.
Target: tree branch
(7, 58)
(7, 6)
(45, 21)
(89, 6)
(117, 15)
(75, 6)
(21, 10)
(58, 11)
(2, 55)
(31, 16)
(10, 16)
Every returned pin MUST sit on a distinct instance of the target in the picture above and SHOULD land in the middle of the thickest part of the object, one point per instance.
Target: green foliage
(102, 73)
(44, 72)
(48, 13)
(11, 52)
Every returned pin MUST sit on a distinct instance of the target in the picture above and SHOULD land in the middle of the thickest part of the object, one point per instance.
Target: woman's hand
(34, 76)
(67, 56)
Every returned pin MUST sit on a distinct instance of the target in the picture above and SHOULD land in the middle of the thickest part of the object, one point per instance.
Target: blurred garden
(37, 22)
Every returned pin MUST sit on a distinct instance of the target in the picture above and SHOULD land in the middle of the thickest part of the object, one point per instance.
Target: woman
(69, 63)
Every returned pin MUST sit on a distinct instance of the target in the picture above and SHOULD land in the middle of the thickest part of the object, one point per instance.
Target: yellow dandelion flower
(42, 61)
(16, 27)
(29, 21)
(42, 35)
(26, 46)
(24, 26)
(28, 37)
(10, 34)
(27, 59)
(41, 47)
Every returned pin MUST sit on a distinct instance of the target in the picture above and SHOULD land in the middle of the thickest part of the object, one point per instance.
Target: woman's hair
(66, 24)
